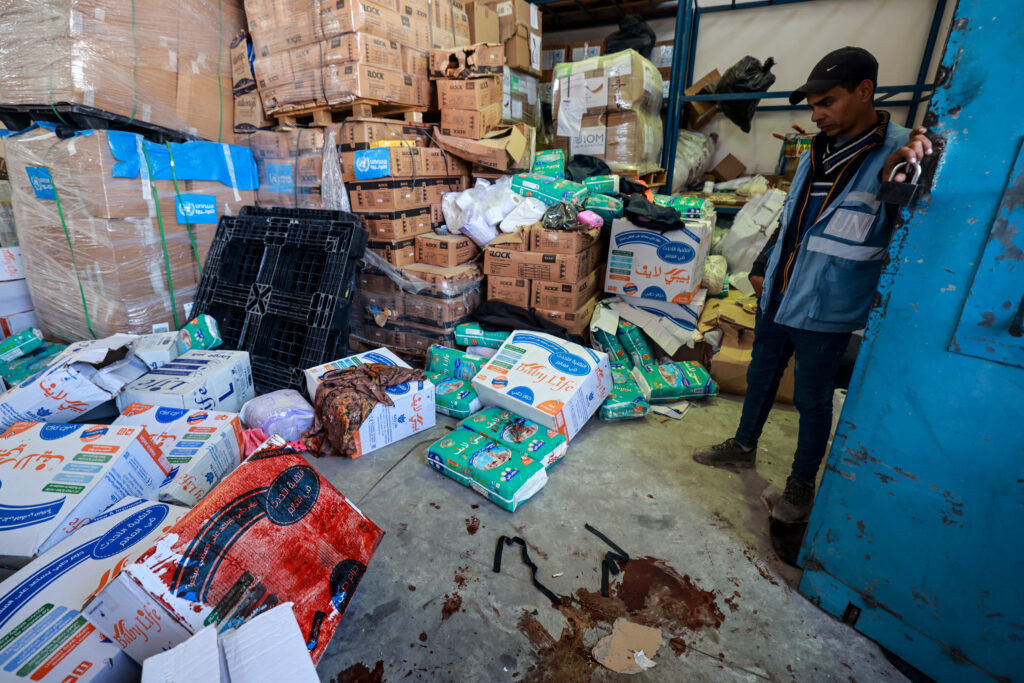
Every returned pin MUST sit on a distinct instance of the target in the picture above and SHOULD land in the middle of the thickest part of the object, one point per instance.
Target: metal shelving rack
(688, 13)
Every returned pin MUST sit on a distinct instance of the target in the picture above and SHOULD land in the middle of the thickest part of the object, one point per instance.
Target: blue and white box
(55, 478)
(203, 379)
(44, 635)
(414, 409)
(663, 266)
(548, 380)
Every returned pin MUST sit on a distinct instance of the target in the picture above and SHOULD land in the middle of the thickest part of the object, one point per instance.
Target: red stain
(435, 506)
(763, 571)
(359, 673)
(452, 604)
(411, 587)
(678, 646)
(423, 637)
(472, 525)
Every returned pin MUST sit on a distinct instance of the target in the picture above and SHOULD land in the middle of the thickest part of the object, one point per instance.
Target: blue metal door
(917, 534)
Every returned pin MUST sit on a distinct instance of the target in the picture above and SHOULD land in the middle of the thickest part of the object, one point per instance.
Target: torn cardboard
(618, 650)
(82, 377)
(44, 637)
(503, 149)
(473, 61)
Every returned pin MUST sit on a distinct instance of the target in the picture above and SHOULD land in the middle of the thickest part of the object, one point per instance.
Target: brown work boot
(729, 453)
(795, 504)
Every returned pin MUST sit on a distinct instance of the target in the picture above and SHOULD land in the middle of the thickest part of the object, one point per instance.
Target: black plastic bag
(746, 75)
(505, 317)
(633, 34)
(645, 214)
(582, 166)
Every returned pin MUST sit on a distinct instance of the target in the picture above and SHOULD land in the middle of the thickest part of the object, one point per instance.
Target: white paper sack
(751, 230)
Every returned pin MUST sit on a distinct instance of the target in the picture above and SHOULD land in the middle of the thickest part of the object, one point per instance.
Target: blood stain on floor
(359, 673)
(452, 604)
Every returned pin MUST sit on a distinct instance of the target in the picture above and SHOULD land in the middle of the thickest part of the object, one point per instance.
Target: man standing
(817, 275)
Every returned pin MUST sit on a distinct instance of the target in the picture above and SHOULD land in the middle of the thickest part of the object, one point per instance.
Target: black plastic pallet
(280, 284)
(75, 117)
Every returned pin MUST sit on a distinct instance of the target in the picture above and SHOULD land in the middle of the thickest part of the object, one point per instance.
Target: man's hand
(916, 149)
(757, 283)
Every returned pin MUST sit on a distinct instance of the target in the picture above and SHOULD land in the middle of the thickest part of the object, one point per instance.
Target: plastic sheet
(332, 189)
(715, 271)
(290, 167)
(94, 245)
(609, 107)
(693, 155)
(148, 61)
(8, 236)
(478, 211)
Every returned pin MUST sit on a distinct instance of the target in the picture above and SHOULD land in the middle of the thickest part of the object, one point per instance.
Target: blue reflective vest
(841, 255)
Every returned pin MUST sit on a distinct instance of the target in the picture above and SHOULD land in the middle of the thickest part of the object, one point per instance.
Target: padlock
(901, 194)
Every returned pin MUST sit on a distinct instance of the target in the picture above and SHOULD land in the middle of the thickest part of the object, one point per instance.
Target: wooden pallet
(653, 179)
(326, 114)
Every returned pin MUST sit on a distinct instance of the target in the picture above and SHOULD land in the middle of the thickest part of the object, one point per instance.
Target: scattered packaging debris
(275, 530)
(43, 635)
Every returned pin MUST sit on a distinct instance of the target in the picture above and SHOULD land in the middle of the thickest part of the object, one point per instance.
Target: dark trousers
(817, 358)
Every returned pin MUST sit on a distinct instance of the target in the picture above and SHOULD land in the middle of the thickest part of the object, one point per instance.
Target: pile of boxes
(114, 228)
(610, 107)
(417, 285)
(308, 55)
(147, 62)
(555, 273)
(553, 55)
(489, 110)
(288, 163)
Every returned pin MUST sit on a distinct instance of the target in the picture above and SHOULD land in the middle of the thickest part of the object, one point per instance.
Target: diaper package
(455, 397)
(627, 401)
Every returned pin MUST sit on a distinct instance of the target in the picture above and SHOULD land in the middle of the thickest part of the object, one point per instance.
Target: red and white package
(273, 531)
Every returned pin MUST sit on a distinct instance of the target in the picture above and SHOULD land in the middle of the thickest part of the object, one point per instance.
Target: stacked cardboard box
(153, 62)
(249, 115)
(519, 30)
(114, 228)
(488, 110)
(556, 273)
(610, 107)
(313, 54)
(555, 54)
(395, 183)
(414, 319)
(409, 181)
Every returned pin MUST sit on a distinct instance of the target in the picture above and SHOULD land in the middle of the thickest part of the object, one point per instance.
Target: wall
(797, 35)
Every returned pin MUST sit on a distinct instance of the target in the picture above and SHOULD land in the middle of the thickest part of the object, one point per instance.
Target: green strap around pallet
(74, 264)
(163, 237)
(181, 204)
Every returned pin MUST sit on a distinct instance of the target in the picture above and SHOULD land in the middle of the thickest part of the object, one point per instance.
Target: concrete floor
(430, 608)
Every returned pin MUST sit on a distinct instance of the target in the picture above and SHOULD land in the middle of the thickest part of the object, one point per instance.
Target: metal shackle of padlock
(901, 194)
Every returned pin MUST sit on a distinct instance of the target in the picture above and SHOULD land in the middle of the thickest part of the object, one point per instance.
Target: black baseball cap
(838, 66)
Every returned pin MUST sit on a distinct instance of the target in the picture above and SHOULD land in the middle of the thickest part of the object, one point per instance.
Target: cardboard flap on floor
(502, 149)
(43, 637)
